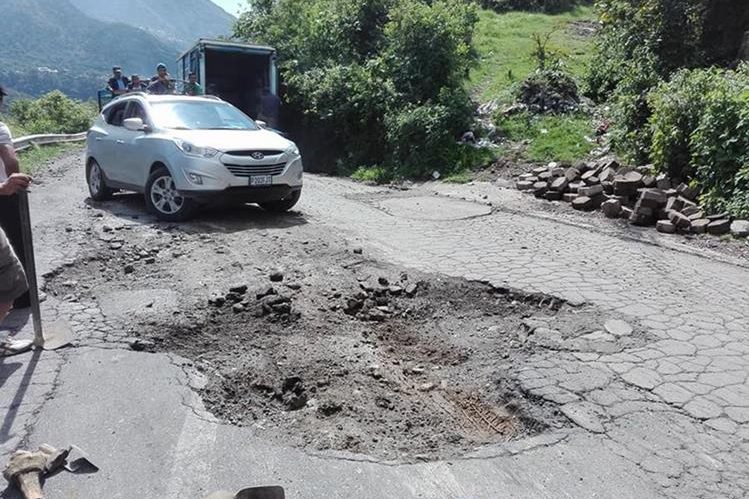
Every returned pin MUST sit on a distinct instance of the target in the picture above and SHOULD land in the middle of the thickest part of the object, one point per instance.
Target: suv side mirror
(134, 124)
(261, 123)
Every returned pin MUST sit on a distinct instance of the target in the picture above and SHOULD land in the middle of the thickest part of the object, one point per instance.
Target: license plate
(259, 180)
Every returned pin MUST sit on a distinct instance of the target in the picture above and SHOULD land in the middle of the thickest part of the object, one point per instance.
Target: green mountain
(178, 21)
(53, 44)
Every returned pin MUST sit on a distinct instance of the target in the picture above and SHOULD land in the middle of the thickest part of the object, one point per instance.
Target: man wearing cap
(117, 83)
(161, 83)
(12, 277)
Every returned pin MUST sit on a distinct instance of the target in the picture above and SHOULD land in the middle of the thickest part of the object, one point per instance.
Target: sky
(230, 6)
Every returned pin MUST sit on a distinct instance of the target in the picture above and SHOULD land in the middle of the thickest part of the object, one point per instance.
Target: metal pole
(28, 250)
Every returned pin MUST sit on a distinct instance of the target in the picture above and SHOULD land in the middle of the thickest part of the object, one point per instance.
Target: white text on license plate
(258, 180)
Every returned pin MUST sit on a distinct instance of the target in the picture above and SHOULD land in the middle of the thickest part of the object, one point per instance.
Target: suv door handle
(120, 141)
(99, 139)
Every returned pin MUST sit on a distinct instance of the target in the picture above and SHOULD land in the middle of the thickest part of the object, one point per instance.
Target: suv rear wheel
(163, 199)
(97, 185)
(282, 205)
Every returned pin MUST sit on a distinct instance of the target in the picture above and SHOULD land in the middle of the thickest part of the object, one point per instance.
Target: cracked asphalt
(664, 416)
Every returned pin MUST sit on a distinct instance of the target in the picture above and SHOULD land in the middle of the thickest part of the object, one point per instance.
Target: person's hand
(16, 182)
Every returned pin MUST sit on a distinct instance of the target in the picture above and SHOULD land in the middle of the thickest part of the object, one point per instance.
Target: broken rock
(612, 208)
(627, 185)
(572, 174)
(665, 226)
(641, 215)
(582, 203)
(559, 184)
(675, 204)
(540, 188)
(591, 191)
(719, 227)
(700, 226)
(679, 221)
(653, 198)
(740, 228)
(569, 197)
(686, 191)
(524, 185)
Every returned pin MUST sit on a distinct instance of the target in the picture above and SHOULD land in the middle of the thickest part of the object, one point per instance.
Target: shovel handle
(28, 251)
(30, 485)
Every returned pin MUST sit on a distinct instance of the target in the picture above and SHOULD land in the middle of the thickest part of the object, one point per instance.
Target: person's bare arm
(8, 155)
(14, 183)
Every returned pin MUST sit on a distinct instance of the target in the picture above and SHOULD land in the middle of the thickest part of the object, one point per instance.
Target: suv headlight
(197, 151)
(292, 149)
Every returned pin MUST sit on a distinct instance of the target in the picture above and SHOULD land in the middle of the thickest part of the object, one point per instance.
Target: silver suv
(181, 151)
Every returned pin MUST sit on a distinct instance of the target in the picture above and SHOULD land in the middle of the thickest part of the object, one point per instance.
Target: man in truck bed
(193, 87)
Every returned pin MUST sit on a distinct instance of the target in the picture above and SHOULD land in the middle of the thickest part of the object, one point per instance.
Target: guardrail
(22, 143)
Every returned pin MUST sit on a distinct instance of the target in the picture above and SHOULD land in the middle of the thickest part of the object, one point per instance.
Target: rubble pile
(374, 301)
(262, 302)
(635, 194)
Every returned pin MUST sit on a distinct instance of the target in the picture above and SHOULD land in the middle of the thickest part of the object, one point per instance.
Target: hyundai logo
(257, 155)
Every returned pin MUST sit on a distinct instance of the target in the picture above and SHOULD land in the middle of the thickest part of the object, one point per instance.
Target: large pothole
(395, 369)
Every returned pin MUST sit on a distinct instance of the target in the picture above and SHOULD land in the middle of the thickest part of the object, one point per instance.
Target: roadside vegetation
(379, 88)
(35, 158)
(666, 107)
(51, 113)
(375, 84)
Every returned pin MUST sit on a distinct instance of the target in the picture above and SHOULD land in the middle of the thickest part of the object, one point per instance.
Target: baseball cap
(117, 68)
(161, 65)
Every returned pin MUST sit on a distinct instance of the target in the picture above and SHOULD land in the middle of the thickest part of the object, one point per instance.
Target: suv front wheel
(163, 199)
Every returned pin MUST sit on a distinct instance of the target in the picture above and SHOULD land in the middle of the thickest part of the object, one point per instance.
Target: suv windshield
(200, 115)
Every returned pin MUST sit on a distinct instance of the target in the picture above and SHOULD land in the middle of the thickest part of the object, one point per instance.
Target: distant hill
(69, 45)
(178, 21)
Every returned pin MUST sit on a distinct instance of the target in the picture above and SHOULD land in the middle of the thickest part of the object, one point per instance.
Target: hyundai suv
(182, 151)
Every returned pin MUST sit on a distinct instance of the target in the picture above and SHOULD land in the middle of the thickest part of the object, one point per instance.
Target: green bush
(630, 110)
(429, 47)
(421, 139)
(672, 34)
(700, 133)
(52, 113)
(371, 82)
(677, 106)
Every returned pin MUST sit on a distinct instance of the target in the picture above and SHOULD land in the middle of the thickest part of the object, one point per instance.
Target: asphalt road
(669, 418)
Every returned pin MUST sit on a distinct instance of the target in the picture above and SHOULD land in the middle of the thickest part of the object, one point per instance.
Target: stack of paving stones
(635, 194)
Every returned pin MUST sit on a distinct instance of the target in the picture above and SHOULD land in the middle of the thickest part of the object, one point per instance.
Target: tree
(359, 72)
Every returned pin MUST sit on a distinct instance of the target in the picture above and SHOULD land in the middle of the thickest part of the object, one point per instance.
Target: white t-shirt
(5, 138)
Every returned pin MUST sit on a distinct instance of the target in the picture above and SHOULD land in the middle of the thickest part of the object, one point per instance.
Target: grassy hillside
(505, 41)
